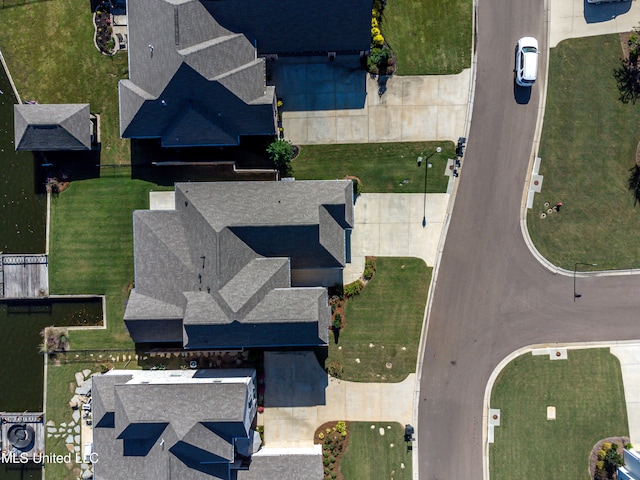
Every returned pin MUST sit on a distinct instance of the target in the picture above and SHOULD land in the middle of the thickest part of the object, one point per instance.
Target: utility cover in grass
(551, 413)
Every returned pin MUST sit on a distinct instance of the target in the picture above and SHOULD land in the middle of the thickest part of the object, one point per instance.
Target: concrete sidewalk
(294, 378)
(629, 356)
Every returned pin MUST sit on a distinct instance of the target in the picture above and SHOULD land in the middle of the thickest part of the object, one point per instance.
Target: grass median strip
(382, 167)
(588, 394)
(588, 145)
(429, 38)
(382, 324)
(371, 455)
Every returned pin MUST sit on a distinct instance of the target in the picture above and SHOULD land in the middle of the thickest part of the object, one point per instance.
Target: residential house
(240, 264)
(54, 127)
(187, 425)
(197, 71)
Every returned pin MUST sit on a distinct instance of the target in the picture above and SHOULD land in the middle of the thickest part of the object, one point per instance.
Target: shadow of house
(197, 67)
(184, 424)
(604, 12)
(64, 138)
(240, 265)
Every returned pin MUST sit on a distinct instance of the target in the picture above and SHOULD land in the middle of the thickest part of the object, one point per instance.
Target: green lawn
(429, 37)
(388, 313)
(371, 455)
(52, 59)
(91, 248)
(588, 144)
(61, 386)
(588, 394)
(382, 167)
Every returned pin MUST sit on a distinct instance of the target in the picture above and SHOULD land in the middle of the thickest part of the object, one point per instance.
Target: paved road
(492, 296)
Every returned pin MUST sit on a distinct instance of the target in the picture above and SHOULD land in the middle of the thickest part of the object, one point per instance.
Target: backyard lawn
(382, 167)
(91, 248)
(588, 145)
(52, 59)
(588, 394)
(383, 323)
(371, 455)
(429, 38)
(61, 385)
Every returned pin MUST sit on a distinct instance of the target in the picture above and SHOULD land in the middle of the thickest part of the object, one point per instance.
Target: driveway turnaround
(577, 18)
(300, 396)
(391, 225)
(412, 109)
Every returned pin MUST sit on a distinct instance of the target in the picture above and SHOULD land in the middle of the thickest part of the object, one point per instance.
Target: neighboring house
(187, 425)
(240, 264)
(631, 469)
(197, 73)
(55, 127)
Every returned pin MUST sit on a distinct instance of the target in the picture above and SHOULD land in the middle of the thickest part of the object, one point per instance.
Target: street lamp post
(575, 269)
(427, 166)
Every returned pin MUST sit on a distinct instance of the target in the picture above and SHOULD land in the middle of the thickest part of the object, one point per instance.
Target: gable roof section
(191, 81)
(52, 127)
(221, 263)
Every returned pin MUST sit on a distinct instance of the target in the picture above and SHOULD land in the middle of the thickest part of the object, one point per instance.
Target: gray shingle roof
(292, 26)
(220, 263)
(170, 424)
(52, 127)
(191, 81)
(283, 465)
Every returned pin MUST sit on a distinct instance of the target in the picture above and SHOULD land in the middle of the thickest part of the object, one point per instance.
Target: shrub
(606, 446)
(332, 459)
(280, 153)
(334, 474)
(326, 462)
(337, 321)
(335, 370)
(357, 188)
(628, 446)
(374, 22)
(600, 465)
(321, 435)
(601, 454)
(375, 31)
(280, 103)
(341, 428)
(353, 289)
(378, 40)
(375, 13)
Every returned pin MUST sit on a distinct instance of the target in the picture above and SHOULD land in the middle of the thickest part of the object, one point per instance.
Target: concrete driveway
(577, 18)
(325, 105)
(390, 225)
(294, 378)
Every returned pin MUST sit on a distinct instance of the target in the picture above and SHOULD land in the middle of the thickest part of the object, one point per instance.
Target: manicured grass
(91, 248)
(588, 144)
(588, 394)
(370, 455)
(429, 38)
(61, 385)
(388, 313)
(382, 167)
(48, 47)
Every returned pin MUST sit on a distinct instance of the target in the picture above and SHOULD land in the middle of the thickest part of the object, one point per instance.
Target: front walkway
(299, 397)
(412, 109)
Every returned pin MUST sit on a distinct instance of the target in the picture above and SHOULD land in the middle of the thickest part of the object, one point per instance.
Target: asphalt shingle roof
(52, 127)
(220, 263)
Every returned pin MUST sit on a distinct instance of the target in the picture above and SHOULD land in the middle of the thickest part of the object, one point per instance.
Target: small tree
(280, 153)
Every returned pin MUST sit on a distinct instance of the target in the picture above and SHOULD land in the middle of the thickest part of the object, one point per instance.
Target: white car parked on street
(526, 61)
